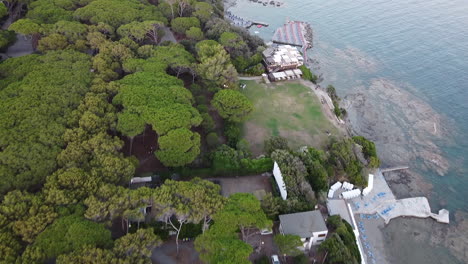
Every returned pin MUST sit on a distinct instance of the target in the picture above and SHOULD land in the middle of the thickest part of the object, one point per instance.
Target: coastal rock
(402, 125)
(357, 57)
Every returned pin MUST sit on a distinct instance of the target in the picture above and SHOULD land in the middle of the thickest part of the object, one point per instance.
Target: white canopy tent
(351, 194)
(370, 185)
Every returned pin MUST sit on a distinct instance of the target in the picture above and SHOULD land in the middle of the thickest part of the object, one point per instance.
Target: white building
(310, 226)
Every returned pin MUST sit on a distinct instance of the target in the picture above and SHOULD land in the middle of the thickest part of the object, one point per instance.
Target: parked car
(266, 231)
(275, 259)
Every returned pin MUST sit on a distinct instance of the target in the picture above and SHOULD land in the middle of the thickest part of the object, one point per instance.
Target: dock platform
(383, 202)
(295, 33)
(242, 22)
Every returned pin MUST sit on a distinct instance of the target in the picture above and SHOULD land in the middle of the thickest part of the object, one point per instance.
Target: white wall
(279, 180)
(315, 240)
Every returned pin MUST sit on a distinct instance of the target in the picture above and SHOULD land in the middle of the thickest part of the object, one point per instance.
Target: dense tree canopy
(116, 13)
(288, 244)
(315, 162)
(3, 10)
(178, 147)
(203, 11)
(71, 233)
(215, 65)
(232, 105)
(38, 95)
(138, 31)
(182, 24)
(220, 244)
(100, 74)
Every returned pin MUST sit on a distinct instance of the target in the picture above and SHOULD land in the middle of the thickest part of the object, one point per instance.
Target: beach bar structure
(282, 57)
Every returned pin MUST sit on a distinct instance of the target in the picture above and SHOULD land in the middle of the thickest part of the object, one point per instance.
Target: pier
(241, 22)
(394, 168)
(382, 202)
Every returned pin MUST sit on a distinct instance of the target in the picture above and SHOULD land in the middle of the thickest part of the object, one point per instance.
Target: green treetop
(232, 105)
(178, 147)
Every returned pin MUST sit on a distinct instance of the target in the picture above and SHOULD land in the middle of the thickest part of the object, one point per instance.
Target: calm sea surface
(418, 47)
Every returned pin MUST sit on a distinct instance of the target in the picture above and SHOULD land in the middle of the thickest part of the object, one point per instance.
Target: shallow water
(402, 67)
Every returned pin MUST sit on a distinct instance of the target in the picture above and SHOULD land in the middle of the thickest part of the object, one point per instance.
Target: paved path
(250, 78)
(22, 46)
(168, 35)
(167, 253)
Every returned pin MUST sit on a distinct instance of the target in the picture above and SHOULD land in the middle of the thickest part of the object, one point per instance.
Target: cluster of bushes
(344, 160)
(307, 74)
(341, 245)
(339, 112)
(317, 167)
(245, 49)
(227, 161)
(369, 151)
(249, 65)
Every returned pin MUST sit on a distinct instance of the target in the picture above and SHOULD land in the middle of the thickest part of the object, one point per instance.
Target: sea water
(402, 68)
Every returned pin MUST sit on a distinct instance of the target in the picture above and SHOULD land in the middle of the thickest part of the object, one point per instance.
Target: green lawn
(288, 109)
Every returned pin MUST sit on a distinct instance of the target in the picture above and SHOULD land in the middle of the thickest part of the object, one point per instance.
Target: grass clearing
(289, 109)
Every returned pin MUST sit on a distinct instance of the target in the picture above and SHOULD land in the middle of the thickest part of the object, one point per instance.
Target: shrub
(307, 74)
(263, 260)
(208, 123)
(275, 143)
(200, 99)
(256, 70)
(202, 108)
(190, 230)
(7, 37)
(182, 24)
(232, 132)
(301, 259)
(212, 140)
(160, 230)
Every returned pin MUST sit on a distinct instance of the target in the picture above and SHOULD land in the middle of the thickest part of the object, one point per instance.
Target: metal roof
(303, 224)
